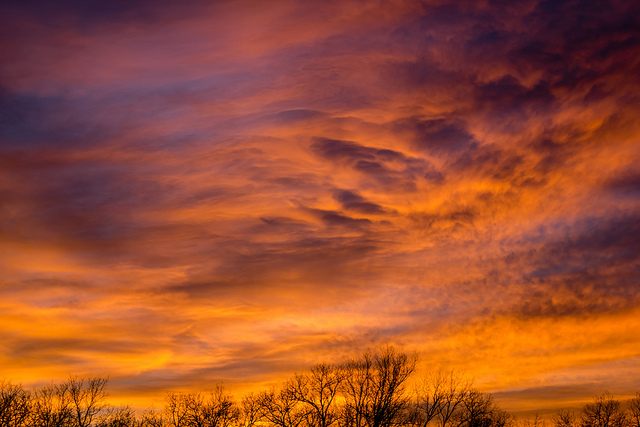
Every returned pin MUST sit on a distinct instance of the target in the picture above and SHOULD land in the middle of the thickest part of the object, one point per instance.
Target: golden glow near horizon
(230, 192)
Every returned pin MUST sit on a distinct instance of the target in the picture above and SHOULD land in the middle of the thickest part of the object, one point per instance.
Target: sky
(232, 191)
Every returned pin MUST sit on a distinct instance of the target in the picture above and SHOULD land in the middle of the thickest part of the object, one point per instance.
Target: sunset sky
(195, 192)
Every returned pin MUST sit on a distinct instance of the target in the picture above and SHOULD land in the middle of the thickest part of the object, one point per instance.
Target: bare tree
(564, 418)
(438, 396)
(280, 408)
(500, 418)
(218, 409)
(249, 414)
(176, 409)
(317, 390)
(15, 405)
(87, 399)
(374, 389)
(196, 410)
(356, 390)
(605, 411)
(151, 418)
(474, 411)
(52, 406)
(634, 411)
(479, 410)
(535, 421)
(119, 416)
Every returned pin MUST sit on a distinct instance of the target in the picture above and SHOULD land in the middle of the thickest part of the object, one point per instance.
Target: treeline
(370, 391)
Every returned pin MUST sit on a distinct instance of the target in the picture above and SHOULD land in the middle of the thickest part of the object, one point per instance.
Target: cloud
(353, 201)
(626, 183)
(389, 168)
(506, 96)
(439, 136)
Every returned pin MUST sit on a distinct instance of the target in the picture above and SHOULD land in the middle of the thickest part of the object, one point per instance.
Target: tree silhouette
(634, 411)
(564, 418)
(197, 410)
(52, 406)
(15, 405)
(249, 411)
(317, 391)
(121, 416)
(367, 391)
(438, 396)
(280, 408)
(87, 399)
(605, 411)
(151, 418)
(479, 410)
(374, 389)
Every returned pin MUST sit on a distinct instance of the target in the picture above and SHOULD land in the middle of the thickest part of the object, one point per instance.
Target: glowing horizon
(234, 191)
